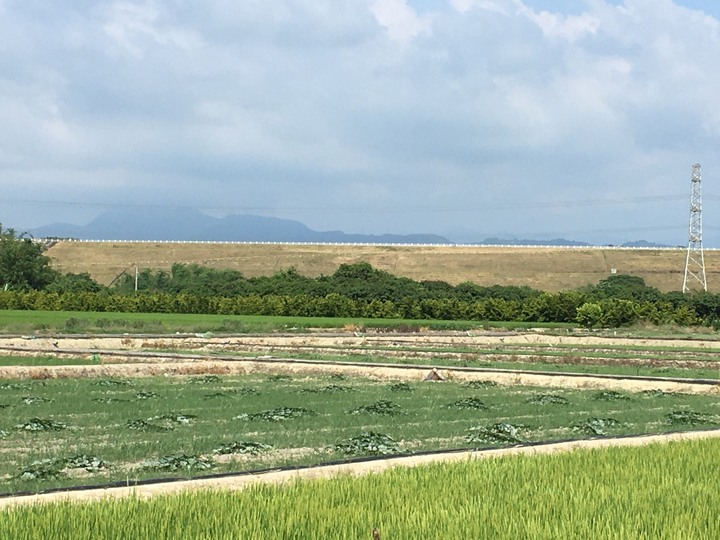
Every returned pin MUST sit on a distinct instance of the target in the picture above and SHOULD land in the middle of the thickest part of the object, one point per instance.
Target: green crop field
(62, 432)
(655, 492)
(46, 322)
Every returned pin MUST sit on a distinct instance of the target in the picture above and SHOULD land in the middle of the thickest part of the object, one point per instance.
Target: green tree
(589, 315)
(22, 263)
(75, 283)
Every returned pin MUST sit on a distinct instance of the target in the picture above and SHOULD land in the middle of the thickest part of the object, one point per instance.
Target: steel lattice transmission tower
(695, 261)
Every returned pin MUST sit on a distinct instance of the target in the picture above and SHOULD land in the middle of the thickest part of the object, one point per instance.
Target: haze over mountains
(184, 224)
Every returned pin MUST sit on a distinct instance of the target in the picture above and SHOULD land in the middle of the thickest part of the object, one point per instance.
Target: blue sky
(466, 118)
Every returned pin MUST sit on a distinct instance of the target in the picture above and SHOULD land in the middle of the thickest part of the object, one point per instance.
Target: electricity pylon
(695, 261)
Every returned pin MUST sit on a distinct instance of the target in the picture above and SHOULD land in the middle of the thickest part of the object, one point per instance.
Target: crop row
(69, 432)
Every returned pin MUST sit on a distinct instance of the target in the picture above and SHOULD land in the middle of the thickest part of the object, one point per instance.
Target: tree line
(28, 281)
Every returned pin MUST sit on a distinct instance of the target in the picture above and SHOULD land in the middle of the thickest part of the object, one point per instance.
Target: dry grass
(550, 269)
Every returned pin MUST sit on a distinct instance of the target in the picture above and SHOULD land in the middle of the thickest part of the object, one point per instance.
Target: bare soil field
(544, 268)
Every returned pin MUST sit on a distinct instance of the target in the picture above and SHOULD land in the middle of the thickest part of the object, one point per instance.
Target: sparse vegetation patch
(178, 462)
(690, 418)
(548, 399)
(382, 407)
(39, 424)
(242, 447)
(277, 415)
(610, 395)
(368, 443)
(501, 433)
(596, 426)
(469, 403)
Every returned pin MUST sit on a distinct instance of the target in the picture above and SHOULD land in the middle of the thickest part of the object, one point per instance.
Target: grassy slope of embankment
(550, 269)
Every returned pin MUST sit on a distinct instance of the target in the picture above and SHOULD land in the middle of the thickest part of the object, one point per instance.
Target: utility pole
(137, 272)
(695, 261)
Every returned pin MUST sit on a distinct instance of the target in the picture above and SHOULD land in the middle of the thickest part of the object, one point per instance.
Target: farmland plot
(88, 431)
(660, 491)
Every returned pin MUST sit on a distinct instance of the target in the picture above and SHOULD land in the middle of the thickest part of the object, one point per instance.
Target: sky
(465, 118)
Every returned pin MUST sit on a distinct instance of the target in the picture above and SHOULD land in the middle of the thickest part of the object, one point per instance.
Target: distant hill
(643, 244)
(183, 224)
(494, 241)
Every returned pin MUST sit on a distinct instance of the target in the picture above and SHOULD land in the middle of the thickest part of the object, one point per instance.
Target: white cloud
(336, 103)
(569, 27)
(132, 25)
(400, 20)
(497, 6)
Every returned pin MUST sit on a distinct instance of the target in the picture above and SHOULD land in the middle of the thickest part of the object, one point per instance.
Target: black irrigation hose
(270, 360)
(348, 461)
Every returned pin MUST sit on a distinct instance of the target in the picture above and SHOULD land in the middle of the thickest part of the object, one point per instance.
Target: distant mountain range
(191, 225)
(183, 224)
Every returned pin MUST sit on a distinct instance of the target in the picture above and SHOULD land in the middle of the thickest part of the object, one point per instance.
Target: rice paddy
(658, 491)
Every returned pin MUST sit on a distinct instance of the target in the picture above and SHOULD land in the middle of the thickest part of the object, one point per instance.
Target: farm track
(234, 482)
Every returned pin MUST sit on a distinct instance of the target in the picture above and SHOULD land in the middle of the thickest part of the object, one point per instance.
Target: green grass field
(124, 424)
(662, 491)
(48, 322)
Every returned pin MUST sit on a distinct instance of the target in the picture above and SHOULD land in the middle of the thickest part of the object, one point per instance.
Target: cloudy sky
(466, 118)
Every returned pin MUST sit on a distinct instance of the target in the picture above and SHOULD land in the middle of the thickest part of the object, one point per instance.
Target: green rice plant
(367, 443)
(382, 407)
(242, 447)
(178, 462)
(498, 433)
(596, 426)
(548, 399)
(338, 377)
(617, 493)
(469, 403)
(690, 418)
(277, 415)
(38, 424)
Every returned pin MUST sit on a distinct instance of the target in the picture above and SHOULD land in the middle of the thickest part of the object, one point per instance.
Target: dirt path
(350, 339)
(329, 471)
(129, 366)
